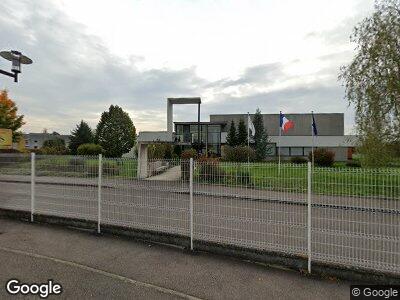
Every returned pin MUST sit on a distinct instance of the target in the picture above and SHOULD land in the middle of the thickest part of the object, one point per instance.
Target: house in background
(36, 140)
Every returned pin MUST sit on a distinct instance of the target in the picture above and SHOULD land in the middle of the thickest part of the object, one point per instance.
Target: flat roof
(201, 123)
(189, 100)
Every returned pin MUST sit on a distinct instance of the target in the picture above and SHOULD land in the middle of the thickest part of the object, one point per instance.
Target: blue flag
(314, 125)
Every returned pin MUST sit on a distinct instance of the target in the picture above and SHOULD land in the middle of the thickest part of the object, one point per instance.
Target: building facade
(298, 141)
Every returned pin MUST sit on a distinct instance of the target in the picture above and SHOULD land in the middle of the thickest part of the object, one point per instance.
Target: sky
(276, 55)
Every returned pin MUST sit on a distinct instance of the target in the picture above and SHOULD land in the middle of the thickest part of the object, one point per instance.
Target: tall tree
(242, 133)
(115, 132)
(231, 138)
(372, 80)
(9, 118)
(82, 134)
(260, 136)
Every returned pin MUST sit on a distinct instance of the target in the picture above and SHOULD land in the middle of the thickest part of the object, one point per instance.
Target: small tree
(115, 132)
(89, 149)
(231, 138)
(242, 134)
(54, 146)
(9, 119)
(260, 136)
(372, 81)
(82, 134)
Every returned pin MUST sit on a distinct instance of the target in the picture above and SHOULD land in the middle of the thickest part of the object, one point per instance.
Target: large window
(296, 151)
(210, 136)
(285, 151)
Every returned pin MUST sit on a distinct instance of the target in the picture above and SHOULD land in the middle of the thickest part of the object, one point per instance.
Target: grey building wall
(328, 124)
(36, 140)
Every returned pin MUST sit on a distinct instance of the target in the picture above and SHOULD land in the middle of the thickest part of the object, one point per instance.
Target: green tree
(9, 118)
(54, 146)
(82, 134)
(115, 132)
(260, 136)
(372, 81)
(242, 134)
(231, 138)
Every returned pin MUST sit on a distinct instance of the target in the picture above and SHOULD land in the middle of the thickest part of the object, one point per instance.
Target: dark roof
(201, 123)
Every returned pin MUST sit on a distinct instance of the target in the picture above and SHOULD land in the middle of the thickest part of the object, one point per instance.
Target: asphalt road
(352, 237)
(90, 266)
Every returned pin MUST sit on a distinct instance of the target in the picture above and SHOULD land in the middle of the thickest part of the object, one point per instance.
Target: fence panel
(159, 202)
(66, 186)
(355, 212)
(15, 181)
(251, 205)
(356, 217)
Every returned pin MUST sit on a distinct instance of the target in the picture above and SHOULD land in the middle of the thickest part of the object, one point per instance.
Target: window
(296, 151)
(285, 151)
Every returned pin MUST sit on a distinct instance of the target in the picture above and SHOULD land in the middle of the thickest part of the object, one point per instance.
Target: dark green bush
(185, 165)
(353, 164)
(323, 157)
(89, 149)
(238, 154)
(298, 160)
(209, 170)
(189, 153)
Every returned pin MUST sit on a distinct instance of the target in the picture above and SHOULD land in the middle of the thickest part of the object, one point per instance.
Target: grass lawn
(72, 166)
(337, 180)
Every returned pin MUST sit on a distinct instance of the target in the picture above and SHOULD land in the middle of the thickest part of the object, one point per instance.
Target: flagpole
(313, 136)
(279, 144)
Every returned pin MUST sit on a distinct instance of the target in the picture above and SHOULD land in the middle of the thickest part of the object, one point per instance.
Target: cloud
(75, 76)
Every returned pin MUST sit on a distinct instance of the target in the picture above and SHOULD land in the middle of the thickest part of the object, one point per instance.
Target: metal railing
(340, 216)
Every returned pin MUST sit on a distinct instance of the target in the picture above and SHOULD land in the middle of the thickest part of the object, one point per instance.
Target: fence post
(33, 167)
(99, 183)
(309, 215)
(191, 202)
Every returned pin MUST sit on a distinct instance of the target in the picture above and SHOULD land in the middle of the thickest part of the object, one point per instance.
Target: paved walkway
(171, 174)
(110, 267)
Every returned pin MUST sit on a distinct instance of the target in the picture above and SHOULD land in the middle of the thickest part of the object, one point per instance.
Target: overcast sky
(237, 55)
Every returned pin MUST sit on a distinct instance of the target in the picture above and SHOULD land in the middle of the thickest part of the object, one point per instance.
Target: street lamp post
(17, 59)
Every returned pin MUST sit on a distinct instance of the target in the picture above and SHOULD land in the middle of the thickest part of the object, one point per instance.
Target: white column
(170, 115)
(142, 161)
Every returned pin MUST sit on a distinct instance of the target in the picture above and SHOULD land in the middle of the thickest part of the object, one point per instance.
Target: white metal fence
(341, 216)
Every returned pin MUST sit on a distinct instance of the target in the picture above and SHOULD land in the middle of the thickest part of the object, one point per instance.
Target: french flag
(285, 123)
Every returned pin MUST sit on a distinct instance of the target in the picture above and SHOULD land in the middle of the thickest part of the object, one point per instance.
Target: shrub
(323, 157)
(55, 150)
(209, 170)
(238, 154)
(353, 164)
(89, 149)
(298, 160)
(189, 153)
(185, 165)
